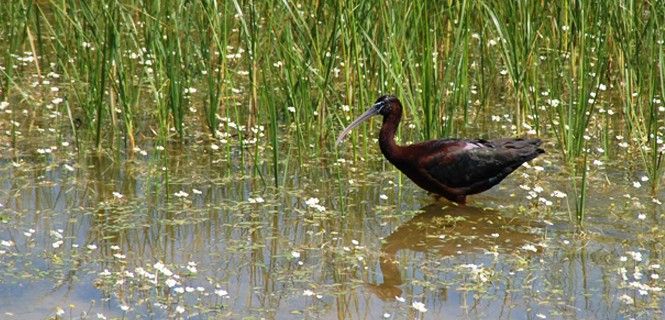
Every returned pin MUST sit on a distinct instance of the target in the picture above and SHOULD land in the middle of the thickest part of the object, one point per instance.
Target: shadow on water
(446, 231)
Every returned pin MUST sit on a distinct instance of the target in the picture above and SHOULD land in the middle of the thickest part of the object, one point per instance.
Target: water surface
(190, 233)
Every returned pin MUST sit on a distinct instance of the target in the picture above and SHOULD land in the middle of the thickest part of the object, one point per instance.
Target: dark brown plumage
(452, 168)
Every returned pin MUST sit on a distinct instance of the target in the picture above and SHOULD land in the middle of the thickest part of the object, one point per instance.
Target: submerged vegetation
(212, 123)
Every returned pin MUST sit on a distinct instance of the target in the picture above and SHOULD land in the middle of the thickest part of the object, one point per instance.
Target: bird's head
(384, 105)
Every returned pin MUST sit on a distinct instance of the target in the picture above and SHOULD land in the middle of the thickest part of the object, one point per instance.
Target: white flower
(179, 309)
(181, 194)
(308, 293)
(163, 269)
(637, 256)
(622, 272)
(529, 247)
(626, 299)
(170, 282)
(383, 197)
(295, 254)
(419, 306)
(91, 246)
(221, 292)
(192, 268)
(314, 203)
(400, 299)
(641, 216)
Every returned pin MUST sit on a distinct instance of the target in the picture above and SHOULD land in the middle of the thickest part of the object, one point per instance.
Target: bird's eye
(385, 110)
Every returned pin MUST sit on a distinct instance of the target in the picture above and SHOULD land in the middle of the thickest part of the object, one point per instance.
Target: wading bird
(452, 168)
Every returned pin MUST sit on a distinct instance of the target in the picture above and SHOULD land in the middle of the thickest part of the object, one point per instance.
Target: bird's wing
(470, 163)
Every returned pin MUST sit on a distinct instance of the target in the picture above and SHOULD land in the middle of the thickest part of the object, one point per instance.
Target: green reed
(517, 24)
(640, 57)
(213, 58)
(581, 187)
(125, 77)
(18, 17)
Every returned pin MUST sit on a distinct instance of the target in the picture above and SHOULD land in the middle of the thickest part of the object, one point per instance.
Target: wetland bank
(176, 159)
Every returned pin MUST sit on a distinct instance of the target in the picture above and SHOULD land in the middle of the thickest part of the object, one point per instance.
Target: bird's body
(452, 168)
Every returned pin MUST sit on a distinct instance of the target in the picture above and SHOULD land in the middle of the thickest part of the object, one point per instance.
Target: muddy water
(188, 233)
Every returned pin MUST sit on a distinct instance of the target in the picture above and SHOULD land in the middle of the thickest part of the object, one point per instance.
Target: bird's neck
(389, 148)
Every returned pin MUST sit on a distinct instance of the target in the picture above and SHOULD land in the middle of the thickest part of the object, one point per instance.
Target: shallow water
(189, 233)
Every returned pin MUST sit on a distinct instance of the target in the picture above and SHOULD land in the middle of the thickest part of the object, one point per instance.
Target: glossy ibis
(452, 168)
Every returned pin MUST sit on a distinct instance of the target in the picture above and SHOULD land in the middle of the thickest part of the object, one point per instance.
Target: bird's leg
(457, 200)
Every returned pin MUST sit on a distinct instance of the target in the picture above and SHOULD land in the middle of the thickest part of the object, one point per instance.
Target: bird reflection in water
(446, 231)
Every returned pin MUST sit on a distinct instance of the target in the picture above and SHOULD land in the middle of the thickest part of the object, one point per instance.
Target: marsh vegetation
(177, 159)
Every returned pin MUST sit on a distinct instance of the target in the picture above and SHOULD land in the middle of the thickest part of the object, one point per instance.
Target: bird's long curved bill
(373, 110)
